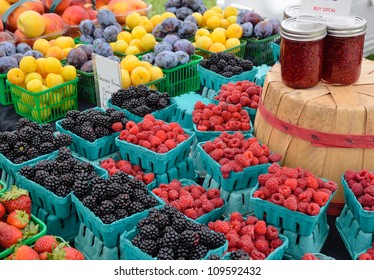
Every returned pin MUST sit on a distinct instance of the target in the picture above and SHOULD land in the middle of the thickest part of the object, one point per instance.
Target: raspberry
(146, 144)
(221, 226)
(130, 124)
(271, 233)
(326, 191)
(260, 228)
(112, 171)
(277, 198)
(309, 257)
(275, 157)
(291, 183)
(148, 178)
(330, 185)
(173, 195)
(248, 230)
(311, 182)
(236, 225)
(305, 196)
(216, 120)
(233, 239)
(361, 175)
(191, 213)
(259, 194)
(313, 209)
(369, 190)
(199, 105)
(263, 159)
(134, 130)
(290, 172)
(162, 149)
(221, 145)
(181, 138)
(257, 255)
(186, 201)
(263, 178)
(272, 185)
(365, 256)
(161, 135)
(251, 220)
(236, 216)
(226, 116)
(262, 246)
(370, 252)
(132, 139)
(285, 191)
(208, 206)
(224, 161)
(256, 150)
(127, 169)
(217, 202)
(367, 200)
(234, 143)
(117, 126)
(291, 203)
(246, 244)
(213, 193)
(273, 168)
(320, 198)
(242, 160)
(155, 141)
(225, 170)
(302, 207)
(235, 167)
(217, 154)
(276, 243)
(195, 193)
(170, 144)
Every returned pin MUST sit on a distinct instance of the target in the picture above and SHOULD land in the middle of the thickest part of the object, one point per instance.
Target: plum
(172, 10)
(187, 29)
(252, 17)
(5, 37)
(86, 27)
(77, 57)
(157, 32)
(23, 47)
(183, 12)
(7, 63)
(263, 29)
(86, 39)
(247, 28)
(99, 41)
(162, 46)
(241, 13)
(183, 57)
(18, 56)
(192, 4)
(276, 25)
(171, 38)
(87, 67)
(35, 54)
(8, 47)
(202, 9)
(191, 18)
(99, 33)
(114, 58)
(170, 25)
(166, 59)
(104, 50)
(184, 45)
(150, 57)
(173, 3)
(88, 49)
(2, 53)
(106, 18)
(111, 33)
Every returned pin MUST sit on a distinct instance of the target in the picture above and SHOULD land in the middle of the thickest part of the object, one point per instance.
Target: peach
(53, 23)
(36, 6)
(5, 36)
(64, 4)
(92, 14)
(139, 5)
(1, 25)
(12, 19)
(120, 8)
(100, 3)
(74, 15)
(79, 2)
(31, 24)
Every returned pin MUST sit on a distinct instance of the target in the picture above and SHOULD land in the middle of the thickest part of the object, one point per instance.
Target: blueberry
(23, 47)
(184, 45)
(86, 27)
(166, 59)
(106, 18)
(162, 46)
(183, 57)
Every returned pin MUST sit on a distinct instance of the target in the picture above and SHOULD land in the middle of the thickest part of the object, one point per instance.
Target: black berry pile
(30, 140)
(168, 235)
(239, 255)
(140, 100)
(226, 64)
(93, 124)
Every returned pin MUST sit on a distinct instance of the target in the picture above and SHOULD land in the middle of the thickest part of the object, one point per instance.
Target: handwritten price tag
(329, 8)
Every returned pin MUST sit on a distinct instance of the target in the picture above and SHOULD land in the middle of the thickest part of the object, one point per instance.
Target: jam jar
(343, 52)
(291, 11)
(301, 55)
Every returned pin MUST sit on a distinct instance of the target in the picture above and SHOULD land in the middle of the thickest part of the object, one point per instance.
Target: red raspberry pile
(234, 153)
(193, 201)
(309, 257)
(362, 185)
(294, 188)
(245, 93)
(251, 235)
(220, 117)
(368, 255)
(125, 166)
(155, 135)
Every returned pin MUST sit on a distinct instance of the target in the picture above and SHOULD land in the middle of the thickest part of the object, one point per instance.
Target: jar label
(338, 8)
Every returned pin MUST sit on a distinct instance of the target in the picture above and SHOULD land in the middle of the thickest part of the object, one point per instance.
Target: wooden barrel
(325, 129)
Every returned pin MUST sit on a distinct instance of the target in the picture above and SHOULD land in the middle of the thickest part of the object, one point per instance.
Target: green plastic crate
(5, 96)
(86, 86)
(260, 51)
(237, 50)
(47, 105)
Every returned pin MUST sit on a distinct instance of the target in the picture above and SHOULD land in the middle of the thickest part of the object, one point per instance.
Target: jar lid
(304, 28)
(355, 27)
(291, 11)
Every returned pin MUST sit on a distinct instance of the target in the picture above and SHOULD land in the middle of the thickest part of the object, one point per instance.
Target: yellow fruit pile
(57, 48)
(135, 42)
(134, 19)
(217, 17)
(219, 39)
(136, 72)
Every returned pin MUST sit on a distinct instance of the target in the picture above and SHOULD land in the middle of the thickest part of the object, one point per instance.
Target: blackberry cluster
(92, 124)
(168, 235)
(62, 175)
(30, 140)
(140, 100)
(239, 255)
(226, 64)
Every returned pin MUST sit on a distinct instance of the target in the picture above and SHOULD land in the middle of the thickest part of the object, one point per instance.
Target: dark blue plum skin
(252, 17)
(192, 4)
(114, 58)
(106, 18)
(162, 46)
(106, 50)
(202, 9)
(171, 38)
(88, 49)
(18, 56)
(86, 27)
(150, 57)
(35, 54)
(172, 10)
(166, 60)
(99, 33)
(191, 18)
(183, 12)
(187, 29)
(8, 47)
(87, 67)
(157, 32)
(170, 25)
(173, 3)
(276, 25)
(111, 33)
(23, 47)
(2, 53)
(247, 28)
(185, 46)
(7, 63)
(183, 57)
(77, 57)
(263, 29)
(86, 39)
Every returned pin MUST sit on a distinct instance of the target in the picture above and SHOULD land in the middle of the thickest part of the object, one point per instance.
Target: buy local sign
(337, 8)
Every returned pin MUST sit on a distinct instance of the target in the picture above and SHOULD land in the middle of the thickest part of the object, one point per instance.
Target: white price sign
(335, 8)
(107, 78)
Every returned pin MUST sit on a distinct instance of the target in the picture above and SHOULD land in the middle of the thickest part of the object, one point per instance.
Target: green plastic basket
(3, 188)
(28, 241)
(47, 105)
(5, 96)
(237, 50)
(260, 51)
(86, 86)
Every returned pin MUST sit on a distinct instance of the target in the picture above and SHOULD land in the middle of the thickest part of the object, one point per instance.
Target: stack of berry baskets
(138, 101)
(235, 161)
(93, 131)
(181, 239)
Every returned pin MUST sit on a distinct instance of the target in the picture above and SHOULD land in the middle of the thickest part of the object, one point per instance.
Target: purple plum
(33, 53)
(86, 27)
(86, 39)
(18, 56)
(171, 38)
(114, 58)
(183, 57)
(192, 4)
(162, 46)
(7, 63)
(23, 47)
(111, 33)
(166, 60)
(106, 18)
(276, 25)
(149, 57)
(187, 29)
(170, 25)
(172, 10)
(8, 47)
(202, 9)
(87, 67)
(77, 57)
(252, 17)
(247, 28)
(88, 49)
(183, 12)
(191, 18)
(2, 53)
(185, 46)
(99, 33)
(263, 29)
(157, 32)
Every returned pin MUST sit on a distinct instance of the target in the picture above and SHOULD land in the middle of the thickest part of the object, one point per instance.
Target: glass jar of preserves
(291, 11)
(301, 55)
(343, 52)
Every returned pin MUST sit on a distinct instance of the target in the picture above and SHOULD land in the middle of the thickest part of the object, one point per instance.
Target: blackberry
(46, 148)
(63, 140)
(171, 238)
(135, 207)
(81, 167)
(80, 119)
(118, 97)
(142, 110)
(149, 232)
(166, 96)
(214, 68)
(99, 191)
(142, 90)
(72, 114)
(46, 127)
(113, 189)
(149, 201)
(26, 134)
(80, 188)
(51, 183)
(121, 214)
(130, 105)
(20, 159)
(165, 254)
(63, 190)
(20, 148)
(28, 172)
(63, 167)
(88, 134)
(119, 177)
(136, 241)
(148, 246)
(212, 239)
(32, 153)
(139, 195)
(107, 207)
(237, 70)
(36, 141)
(152, 98)
(143, 222)
(214, 257)
(205, 63)
(239, 255)
(89, 201)
(96, 180)
(179, 224)
(116, 116)
(68, 124)
(172, 212)
(199, 252)
(42, 165)
(182, 253)
(108, 218)
(47, 136)
(22, 122)
(162, 103)
(221, 64)
(84, 176)
(63, 154)
(160, 220)
(137, 184)
(227, 74)
(122, 200)
(11, 138)
(245, 64)
(189, 238)
(102, 120)
(232, 62)
(4, 148)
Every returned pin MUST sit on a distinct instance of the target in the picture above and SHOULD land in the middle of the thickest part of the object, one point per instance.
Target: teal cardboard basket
(203, 136)
(3, 187)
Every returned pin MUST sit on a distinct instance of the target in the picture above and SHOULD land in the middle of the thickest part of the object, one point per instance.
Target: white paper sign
(335, 8)
(107, 75)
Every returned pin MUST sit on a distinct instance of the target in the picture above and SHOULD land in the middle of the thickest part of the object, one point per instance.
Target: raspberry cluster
(294, 188)
(368, 255)
(155, 135)
(251, 235)
(245, 93)
(362, 185)
(125, 166)
(193, 200)
(234, 153)
(220, 117)
(309, 257)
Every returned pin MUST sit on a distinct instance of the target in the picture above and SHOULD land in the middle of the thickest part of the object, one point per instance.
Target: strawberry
(25, 252)
(2, 211)
(9, 235)
(67, 253)
(45, 244)
(43, 256)
(18, 218)
(16, 199)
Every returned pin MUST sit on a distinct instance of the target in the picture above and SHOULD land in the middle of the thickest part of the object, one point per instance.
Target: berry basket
(62, 207)
(276, 50)
(42, 231)
(364, 218)
(91, 150)
(3, 188)
(237, 51)
(45, 106)
(286, 219)
(152, 161)
(163, 114)
(214, 80)
(214, 215)
(323, 257)
(260, 51)
(5, 96)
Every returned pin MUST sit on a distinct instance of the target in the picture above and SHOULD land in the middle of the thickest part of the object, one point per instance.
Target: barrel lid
(350, 28)
(304, 28)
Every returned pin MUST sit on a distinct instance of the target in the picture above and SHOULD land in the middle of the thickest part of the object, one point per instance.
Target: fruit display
(234, 153)
(135, 42)
(255, 26)
(30, 141)
(173, 26)
(360, 182)
(94, 124)
(114, 166)
(250, 234)
(166, 234)
(11, 55)
(368, 255)
(192, 200)
(122, 8)
(220, 117)
(185, 8)
(140, 100)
